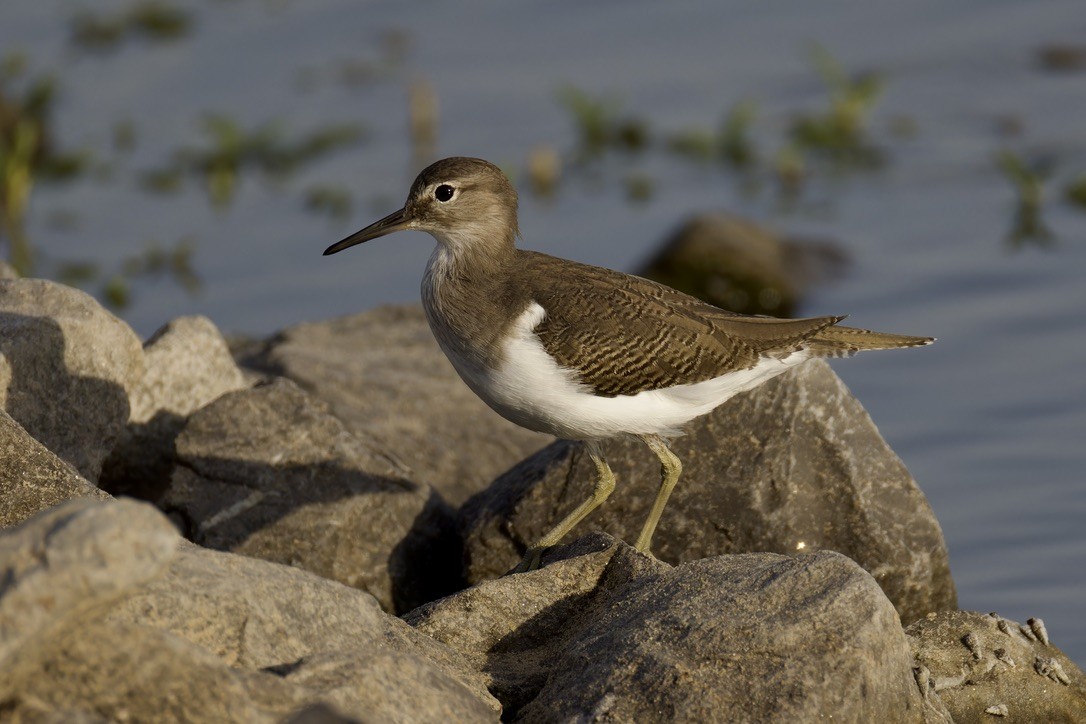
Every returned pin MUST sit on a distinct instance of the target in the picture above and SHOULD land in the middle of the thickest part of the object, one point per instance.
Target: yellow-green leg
(605, 484)
(671, 469)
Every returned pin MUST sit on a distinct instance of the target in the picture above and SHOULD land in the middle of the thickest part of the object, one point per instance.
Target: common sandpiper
(582, 352)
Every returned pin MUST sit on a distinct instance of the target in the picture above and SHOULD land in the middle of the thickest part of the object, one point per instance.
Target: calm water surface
(991, 420)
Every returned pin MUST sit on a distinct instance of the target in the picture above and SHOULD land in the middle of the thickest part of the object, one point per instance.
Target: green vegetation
(231, 151)
(1027, 178)
(154, 21)
(601, 126)
(840, 131)
(28, 153)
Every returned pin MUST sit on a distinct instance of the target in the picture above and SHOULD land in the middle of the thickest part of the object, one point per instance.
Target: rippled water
(991, 420)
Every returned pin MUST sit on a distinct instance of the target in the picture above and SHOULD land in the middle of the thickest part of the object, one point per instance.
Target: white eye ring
(444, 193)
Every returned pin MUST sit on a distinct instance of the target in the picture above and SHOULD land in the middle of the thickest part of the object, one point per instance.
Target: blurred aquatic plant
(231, 150)
(790, 172)
(334, 201)
(834, 139)
(393, 46)
(1062, 57)
(153, 262)
(736, 147)
(697, 144)
(422, 108)
(601, 125)
(1027, 177)
(639, 187)
(731, 144)
(840, 131)
(1075, 191)
(151, 20)
(544, 170)
(27, 153)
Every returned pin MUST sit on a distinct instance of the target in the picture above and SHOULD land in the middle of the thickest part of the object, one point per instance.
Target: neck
(464, 292)
(471, 253)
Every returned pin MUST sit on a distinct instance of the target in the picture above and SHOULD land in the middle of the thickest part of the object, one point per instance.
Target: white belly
(530, 389)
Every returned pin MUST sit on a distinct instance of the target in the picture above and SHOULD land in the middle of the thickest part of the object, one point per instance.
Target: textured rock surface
(986, 668)
(106, 614)
(269, 473)
(66, 367)
(613, 635)
(188, 364)
(384, 376)
(32, 478)
(318, 634)
(390, 686)
(796, 465)
(135, 673)
(68, 561)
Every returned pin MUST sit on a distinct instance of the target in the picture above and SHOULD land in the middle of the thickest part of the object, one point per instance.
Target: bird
(582, 352)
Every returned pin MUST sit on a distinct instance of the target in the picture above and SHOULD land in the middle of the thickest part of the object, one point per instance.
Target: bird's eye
(443, 193)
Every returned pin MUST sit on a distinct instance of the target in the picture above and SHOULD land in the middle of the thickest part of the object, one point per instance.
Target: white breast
(532, 390)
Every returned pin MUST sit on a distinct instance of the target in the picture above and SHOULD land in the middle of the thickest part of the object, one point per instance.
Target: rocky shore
(315, 528)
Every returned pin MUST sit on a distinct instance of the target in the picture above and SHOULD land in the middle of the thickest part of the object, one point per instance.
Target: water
(990, 420)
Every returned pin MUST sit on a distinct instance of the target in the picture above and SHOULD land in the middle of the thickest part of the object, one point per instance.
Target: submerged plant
(232, 150)
(1028, 179)
(601, 125)
(152, 20)
(840, 131)
(27, 153)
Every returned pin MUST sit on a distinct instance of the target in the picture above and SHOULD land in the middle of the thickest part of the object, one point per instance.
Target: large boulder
(611, 634)
(987, 668)
(106, 614)
(135, 673)
(188, 364)
(32, 478)
(383, 374)
(268, 472)
(66, 366)
(69, 561)
(793, 466)
(61, 662)
(739, 265)
(317, 634)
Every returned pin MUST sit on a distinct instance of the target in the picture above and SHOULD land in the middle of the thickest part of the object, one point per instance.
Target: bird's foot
(530, 561)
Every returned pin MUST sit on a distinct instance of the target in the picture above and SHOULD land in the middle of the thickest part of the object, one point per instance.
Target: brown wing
(624, 334)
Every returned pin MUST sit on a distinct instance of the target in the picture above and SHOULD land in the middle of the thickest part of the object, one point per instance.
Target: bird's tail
(846, 341)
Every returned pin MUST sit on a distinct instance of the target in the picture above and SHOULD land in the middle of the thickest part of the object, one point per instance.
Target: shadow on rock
(609, 634)
(74, 415)
(269, 473)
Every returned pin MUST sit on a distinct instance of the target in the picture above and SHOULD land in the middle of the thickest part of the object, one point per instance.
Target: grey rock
(32, 478)
(795, 465)
(188, 364)
(982, 665)
(135, 673)
(66, 369)
(253, 614)
(384, 376)
(389, 686)
(511, 633)
(739, 265)
(269, 473)
(318, 714)
(71, 560)
(610, 634)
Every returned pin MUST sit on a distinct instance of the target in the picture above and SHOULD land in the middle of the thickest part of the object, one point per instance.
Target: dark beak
(396, 221)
